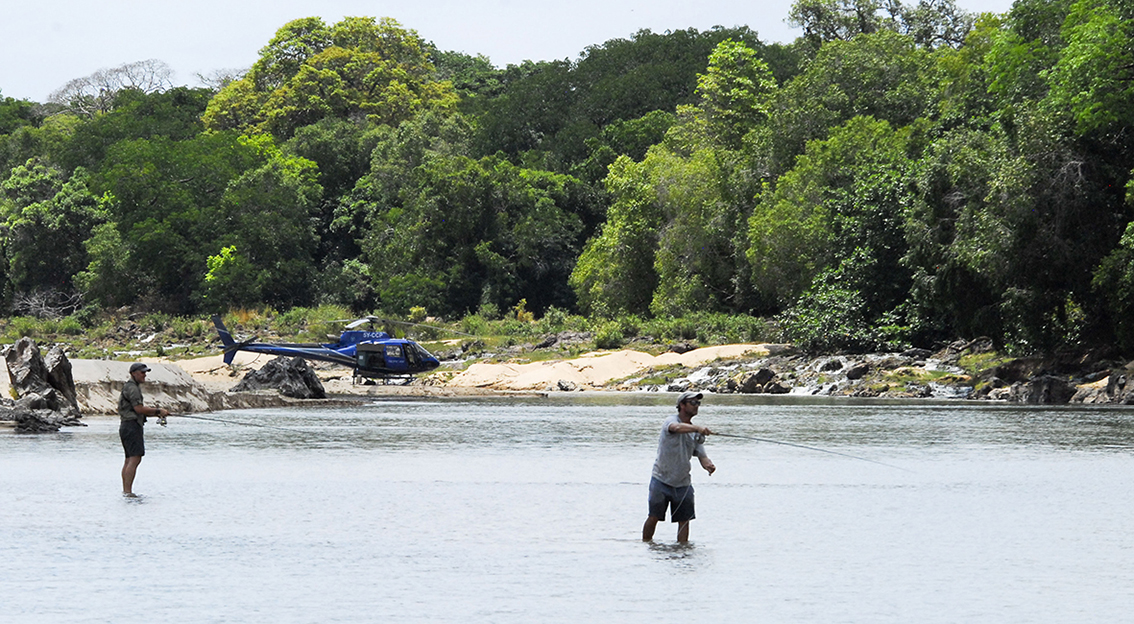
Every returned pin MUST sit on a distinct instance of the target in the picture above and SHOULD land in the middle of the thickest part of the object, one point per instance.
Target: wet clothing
(133, 442)
(674, 452)
(130, 429)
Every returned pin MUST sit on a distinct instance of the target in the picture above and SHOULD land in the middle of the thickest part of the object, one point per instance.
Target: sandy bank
(202, 384)
(596, 370)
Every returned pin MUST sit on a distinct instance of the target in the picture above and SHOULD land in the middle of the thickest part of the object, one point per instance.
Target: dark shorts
(679, 500)
(131, 433)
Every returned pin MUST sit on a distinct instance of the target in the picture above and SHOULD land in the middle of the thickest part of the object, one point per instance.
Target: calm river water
(530, 510)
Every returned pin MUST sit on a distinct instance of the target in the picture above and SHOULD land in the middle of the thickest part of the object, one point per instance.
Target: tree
(931, 23)
(174, 114)
(735, 92)
(1094, 76)
(615, 273)
(17, 114)
(843, 199)
(95, 93)
(164, 201)
(882, 75)
(357, 69)
(47, 217)
(447, 232)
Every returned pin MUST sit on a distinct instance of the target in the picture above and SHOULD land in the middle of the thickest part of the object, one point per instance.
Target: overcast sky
(44, 44)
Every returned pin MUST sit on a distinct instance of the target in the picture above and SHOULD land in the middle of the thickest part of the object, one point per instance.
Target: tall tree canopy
(358, 69)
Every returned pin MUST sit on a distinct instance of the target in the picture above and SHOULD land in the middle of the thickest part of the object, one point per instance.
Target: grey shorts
(679, 500)
(132, 441)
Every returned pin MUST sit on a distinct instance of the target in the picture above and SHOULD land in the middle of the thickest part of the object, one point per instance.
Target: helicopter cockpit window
(394, 351)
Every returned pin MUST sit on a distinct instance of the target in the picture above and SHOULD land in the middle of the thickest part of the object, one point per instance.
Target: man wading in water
(670, 485)
(133, 415)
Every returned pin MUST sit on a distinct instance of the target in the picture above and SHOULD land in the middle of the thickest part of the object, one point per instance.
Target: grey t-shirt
(131, 396)
(674, 452)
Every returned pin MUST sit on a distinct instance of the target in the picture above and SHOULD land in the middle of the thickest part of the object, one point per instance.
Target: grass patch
(977, 363)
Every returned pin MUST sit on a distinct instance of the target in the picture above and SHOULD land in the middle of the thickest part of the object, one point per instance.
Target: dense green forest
(899, 175)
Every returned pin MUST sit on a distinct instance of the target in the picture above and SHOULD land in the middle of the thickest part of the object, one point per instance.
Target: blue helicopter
(370, 353)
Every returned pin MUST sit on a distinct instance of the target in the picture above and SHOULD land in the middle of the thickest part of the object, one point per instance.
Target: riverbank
(963, 370)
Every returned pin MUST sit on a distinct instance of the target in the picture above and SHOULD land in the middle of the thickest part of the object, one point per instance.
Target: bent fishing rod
(810, 448)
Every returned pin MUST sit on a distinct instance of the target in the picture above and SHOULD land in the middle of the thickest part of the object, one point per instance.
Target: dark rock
(59, 377)
(567, 385)
(37, 421)
(292, 377)
(682, 347)
(1043, 390)
(775, 387)
(959, 348)
(832, 364)
(46, 389)
(858, 371)
(916, 353)
(681, 385)
(26, 370)
(1021, 369)
(753, 382)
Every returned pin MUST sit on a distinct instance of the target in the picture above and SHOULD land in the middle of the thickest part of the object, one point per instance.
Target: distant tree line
(899, 175)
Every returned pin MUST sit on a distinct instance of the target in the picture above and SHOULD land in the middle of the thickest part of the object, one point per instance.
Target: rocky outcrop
(292, 377)
(43, 387)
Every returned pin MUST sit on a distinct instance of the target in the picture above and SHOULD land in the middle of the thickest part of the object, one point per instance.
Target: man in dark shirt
(133, 416)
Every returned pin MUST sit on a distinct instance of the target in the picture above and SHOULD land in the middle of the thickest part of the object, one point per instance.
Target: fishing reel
(161, 420)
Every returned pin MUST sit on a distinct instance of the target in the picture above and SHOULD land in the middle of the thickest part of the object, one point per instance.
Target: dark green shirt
(131, 396)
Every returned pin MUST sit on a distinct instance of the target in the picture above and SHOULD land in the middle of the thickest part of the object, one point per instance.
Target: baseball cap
(138, 366)
(685, 396)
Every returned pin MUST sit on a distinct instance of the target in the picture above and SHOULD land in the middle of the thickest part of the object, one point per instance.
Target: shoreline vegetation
(901, 175)
(564, 354)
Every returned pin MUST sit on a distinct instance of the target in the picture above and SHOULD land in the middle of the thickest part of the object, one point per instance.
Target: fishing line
(810, 448)
(249, 424)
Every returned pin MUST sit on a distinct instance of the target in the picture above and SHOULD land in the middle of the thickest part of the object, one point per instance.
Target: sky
(47, 43)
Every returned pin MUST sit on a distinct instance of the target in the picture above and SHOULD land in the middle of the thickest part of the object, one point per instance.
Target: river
(530, 510)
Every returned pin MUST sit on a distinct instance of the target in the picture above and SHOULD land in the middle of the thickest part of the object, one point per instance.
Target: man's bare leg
(129, 469)
(648, 528)
(683, 531)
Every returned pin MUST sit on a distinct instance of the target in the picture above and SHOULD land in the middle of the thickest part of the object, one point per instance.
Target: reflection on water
(523, 509)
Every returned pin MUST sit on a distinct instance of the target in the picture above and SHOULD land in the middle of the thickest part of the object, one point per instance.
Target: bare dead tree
(95, 93)
(47, 304)
(220, 78)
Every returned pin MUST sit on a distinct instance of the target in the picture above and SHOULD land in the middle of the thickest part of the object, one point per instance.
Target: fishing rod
(810, 448)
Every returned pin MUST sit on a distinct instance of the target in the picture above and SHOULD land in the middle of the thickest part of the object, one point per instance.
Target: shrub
(609, 336)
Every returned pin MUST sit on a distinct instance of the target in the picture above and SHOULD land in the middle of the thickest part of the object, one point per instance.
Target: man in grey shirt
(670, 485)
(132, 414)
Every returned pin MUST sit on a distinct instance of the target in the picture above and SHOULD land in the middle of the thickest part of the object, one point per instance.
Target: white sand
(594, 369)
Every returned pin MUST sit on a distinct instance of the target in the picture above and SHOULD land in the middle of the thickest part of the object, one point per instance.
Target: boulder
(775, 387)
(26, 369)
(858, 371)
(45, 388)
(1042, 390)
(832, 364)
(37, 421)
(59, 376)
(753, 382)
(292, 377)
